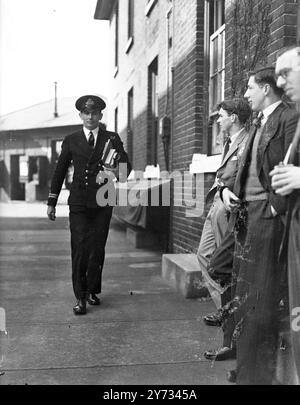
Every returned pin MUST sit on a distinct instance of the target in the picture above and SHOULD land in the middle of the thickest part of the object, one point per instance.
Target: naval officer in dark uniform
(89, 222)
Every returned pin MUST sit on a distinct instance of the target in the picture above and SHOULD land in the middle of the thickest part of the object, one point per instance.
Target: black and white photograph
(149, 195)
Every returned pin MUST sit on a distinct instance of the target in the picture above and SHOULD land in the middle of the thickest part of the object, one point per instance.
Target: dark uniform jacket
(87, 164)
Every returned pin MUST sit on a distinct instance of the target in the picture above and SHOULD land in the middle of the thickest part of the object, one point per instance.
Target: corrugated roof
(42, 116)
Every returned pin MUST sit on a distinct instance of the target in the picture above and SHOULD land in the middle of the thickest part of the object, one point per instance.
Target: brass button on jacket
(86, 164)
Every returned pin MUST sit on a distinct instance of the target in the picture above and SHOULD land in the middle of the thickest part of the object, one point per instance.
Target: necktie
(258, 120)
(227, 146)
(91, 140)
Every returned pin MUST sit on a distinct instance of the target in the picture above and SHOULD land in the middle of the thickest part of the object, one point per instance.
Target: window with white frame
(217, 68)
(215, 27)
(130, 120)
(116, 22)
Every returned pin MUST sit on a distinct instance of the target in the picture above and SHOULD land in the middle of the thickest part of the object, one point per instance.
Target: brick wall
(282, 32)
(149, 43)
(283, 27)
(183, 95)
(186, 57)
(190, 113)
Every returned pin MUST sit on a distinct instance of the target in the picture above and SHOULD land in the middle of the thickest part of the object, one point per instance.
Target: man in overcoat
(259, 227)
(286, 182)
(89, 221)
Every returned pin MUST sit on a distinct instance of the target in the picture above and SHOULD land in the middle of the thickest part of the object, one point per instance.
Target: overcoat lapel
(294, 197)
(295, 146)
(233, 148)
(244, 163)
(225, 160)
(98, 150)
(269, 132)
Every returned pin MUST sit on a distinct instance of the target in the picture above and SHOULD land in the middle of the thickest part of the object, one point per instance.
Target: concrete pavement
(144, 332)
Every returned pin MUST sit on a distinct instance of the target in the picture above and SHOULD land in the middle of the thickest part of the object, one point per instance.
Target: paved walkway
(143, 333)
(21, 209)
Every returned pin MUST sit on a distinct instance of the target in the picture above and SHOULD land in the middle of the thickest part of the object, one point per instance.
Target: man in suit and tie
(259, 226)
(286, 182)
(233, 115)
(89, 222)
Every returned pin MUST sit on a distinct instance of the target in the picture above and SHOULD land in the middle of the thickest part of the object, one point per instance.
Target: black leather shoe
(231, 376)
(224, 353)
(93, 299)
(80, 307)
(214, 319)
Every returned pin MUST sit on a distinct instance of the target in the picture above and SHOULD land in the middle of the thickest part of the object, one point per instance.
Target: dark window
(215, 33)
(217, 52)
(216, 15)
(130, 125)
(153, 112)
(117, 35)
(116, 119)
(130, 18)
(17, 188)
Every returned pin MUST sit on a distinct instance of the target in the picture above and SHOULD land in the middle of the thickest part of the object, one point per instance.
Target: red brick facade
(174, 33)
(281, 31)
(189, 110)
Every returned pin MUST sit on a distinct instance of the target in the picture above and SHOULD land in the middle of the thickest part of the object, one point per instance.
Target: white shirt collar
(87, 133)
(269, 110)
(234, 137)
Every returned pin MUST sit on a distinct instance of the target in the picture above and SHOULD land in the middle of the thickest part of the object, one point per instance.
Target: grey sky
(43, 41)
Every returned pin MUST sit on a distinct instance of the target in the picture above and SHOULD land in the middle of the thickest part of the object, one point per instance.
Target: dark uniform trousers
(89, 230)
(258, 275)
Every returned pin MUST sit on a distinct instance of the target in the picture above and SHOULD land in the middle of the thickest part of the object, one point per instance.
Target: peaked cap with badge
(90, 103)
(87, 161)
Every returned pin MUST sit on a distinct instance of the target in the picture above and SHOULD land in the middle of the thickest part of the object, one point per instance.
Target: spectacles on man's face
(284, 73)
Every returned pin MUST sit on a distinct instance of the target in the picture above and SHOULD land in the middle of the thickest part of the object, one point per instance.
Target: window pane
(220, 88)
(214, 56)
(222, 46)
(116, 119)
(220, 54)
(214, 92)
(216, 137)
(117, 35)
(220, 14)
(216, 31)
(130, 18)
